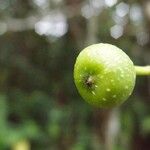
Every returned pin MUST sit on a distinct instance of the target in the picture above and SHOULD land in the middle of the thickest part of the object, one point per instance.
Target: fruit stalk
(142, 70)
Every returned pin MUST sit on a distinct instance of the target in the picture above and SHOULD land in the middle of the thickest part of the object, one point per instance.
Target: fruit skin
(104, 75)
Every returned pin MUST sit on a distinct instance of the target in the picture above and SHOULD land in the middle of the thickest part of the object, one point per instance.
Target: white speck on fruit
(101, 77)
(122, 72)
(114, 96)
(93, 92)
(112, 80)
(96, 86)
(130, 93)
(126, 87)
(122, 75)
(80, 81)
(108, 90)
(104, 99)
(106, 70)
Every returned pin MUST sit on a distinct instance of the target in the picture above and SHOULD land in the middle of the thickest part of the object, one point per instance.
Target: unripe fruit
(104, 75)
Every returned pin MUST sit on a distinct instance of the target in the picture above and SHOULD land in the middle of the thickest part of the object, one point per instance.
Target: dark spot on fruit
(89, 81)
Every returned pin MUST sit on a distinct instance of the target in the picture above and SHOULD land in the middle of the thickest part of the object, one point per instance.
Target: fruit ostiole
(105, 76)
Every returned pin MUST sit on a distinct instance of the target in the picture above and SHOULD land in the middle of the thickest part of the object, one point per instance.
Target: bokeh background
(40, 108)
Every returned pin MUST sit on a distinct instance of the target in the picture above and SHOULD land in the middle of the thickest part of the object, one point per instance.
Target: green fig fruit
(104, 75)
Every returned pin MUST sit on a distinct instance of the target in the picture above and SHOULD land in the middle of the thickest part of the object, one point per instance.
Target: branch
(142, 70)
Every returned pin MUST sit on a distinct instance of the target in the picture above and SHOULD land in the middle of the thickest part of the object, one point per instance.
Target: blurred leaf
(146, 125)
